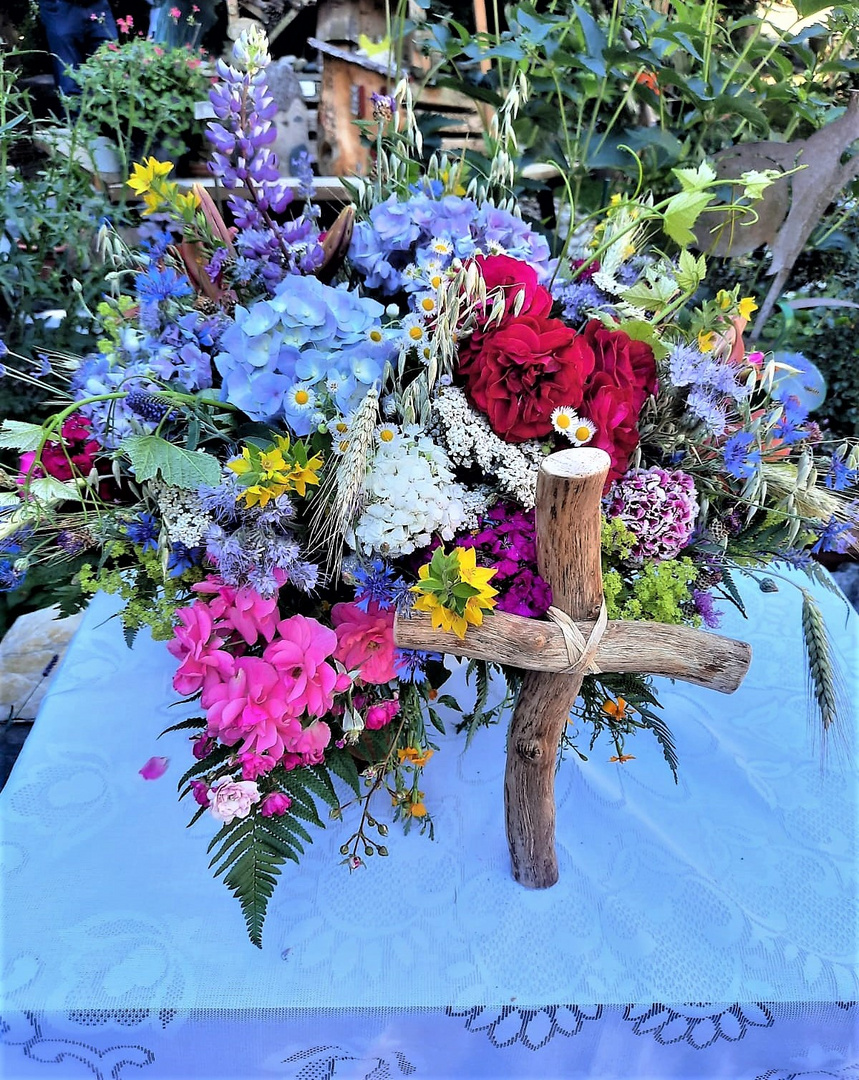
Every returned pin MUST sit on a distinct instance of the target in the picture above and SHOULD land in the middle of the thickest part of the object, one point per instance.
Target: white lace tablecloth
(702, 930)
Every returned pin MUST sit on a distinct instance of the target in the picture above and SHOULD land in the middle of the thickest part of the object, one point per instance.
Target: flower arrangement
(287, 438)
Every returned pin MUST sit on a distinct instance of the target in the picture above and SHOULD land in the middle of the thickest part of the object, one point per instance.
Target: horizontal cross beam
(678, 652)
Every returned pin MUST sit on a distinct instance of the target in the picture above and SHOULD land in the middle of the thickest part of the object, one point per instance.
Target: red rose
(624, 376)
(515, 276)
(519, 373)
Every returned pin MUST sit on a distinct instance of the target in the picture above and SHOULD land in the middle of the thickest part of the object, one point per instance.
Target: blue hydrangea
(326, 342)
(399, 234)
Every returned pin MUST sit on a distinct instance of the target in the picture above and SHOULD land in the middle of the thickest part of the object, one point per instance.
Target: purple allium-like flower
(658, 507)
(705, 607)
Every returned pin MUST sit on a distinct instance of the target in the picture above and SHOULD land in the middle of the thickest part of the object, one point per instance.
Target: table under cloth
(707, 929)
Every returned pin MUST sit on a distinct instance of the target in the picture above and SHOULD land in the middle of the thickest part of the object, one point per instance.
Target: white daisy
(566, 421)
(300, 398)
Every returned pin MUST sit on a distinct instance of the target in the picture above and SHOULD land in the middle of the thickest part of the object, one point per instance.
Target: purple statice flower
(741, 460)
(837, 535)
(706, 608)
(658, 507)
(712, 383)
(840, 475)
(144, 532)
(411, 664)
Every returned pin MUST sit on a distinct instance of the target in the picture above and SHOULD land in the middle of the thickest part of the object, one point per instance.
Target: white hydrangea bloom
(411, 496)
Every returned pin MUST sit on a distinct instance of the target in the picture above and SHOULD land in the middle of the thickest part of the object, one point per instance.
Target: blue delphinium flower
(741, 460)
(144, 532)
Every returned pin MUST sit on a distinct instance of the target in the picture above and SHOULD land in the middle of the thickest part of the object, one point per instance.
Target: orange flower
(622, 758)
(417, 809)
(616, 709)
(648, 79)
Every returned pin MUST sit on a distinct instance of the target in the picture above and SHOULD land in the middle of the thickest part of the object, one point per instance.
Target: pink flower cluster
(658, 507)
(257, 703)
(365, 641)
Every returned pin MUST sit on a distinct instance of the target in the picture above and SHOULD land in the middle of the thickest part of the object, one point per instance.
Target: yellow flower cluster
(273, 470)
(149, 181)
(454, 590)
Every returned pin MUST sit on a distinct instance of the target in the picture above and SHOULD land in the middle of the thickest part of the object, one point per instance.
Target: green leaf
(696, 179)
(151, 455)
(639, 330)
(682, 212)
(692, 271)
(50, 489)
(342, 764)
(651, 292)
(805, 8)
(16, 435)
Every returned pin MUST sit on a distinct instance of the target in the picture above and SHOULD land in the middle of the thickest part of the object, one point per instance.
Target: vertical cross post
(569, 490)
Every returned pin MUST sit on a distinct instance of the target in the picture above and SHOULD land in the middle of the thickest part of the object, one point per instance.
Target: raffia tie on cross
(557, 653)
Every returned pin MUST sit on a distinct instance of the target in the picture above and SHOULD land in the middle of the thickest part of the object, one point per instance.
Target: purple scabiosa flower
(658, 507)
(144, 532)
(741, 460)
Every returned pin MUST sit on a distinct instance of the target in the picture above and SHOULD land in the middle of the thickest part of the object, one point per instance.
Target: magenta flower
(251, 708)
(659, 507)
(230, 799)
(252, 616)
(175, 13)
(299, 655)
(255, 765)
(200, 791)
(311, 743)
(155, 768)
(380, 715)
(197, 643)
(365, 641)
(275, 804)
(202, 746)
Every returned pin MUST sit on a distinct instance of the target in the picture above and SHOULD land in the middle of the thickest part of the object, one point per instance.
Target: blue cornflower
(836, 536)
(378, 583)
(44, 365)
(3, 347)
(741, 461)
(144, 532)
(156, 245)
(182, 558)
(840, 475)
(10, 576)
(155, 286)
(410, 664)
(3, 371)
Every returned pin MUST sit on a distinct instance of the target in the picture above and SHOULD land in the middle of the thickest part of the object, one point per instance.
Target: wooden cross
(569, 490)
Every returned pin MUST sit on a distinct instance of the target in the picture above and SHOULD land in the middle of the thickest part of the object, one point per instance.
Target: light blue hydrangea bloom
(309, 351)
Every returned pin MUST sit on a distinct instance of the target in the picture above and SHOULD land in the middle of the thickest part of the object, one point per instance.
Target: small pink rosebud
(275, 804)
(200, 792)
(154, 768)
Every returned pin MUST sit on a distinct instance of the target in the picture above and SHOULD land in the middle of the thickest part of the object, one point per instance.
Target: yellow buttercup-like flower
(145, 175)
(454, 591)
(747, 306)
(707, 340)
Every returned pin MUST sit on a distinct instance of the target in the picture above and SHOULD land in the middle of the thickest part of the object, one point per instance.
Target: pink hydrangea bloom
(275, 804)
(252, 616)
(230, 799)
(197, 643)
(658, 507)
(380, 715)
(299, 655)
(365, 641)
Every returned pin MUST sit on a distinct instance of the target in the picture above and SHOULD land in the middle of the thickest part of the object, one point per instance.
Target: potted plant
(141, 97)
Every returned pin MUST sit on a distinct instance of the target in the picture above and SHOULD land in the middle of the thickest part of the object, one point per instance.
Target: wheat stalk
(826, 694)
(341, 495)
